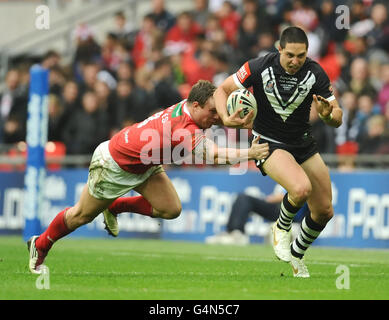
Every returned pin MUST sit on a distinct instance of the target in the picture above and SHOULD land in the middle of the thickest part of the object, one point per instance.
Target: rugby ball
(241, 98)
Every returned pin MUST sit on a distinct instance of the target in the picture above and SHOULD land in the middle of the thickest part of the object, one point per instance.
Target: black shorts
(300, 152)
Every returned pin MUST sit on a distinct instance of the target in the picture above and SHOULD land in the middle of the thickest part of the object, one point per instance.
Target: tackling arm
(212, 154)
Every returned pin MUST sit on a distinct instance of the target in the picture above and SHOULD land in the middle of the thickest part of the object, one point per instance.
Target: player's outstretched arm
(212, 154)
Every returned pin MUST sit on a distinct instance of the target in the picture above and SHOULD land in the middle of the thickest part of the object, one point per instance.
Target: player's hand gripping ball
(241, 99)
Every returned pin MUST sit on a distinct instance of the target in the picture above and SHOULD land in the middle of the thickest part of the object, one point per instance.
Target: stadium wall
(360, 199)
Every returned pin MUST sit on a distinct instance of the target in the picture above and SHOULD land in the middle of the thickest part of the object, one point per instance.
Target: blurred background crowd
(140, 69)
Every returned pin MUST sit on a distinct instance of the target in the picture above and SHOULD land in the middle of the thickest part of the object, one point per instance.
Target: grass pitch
(153, 269)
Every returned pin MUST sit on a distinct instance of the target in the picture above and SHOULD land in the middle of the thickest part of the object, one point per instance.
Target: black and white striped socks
(309, 231)
(287, 213)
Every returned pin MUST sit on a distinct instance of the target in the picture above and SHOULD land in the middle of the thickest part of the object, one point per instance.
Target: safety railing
(333, 161)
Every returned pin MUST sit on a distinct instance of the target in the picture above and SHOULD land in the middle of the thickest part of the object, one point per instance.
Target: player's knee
(301, 192)
(172, 212)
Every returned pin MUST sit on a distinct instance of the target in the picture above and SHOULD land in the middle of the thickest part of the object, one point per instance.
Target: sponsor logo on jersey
(244, 72)
(269, 86)
(302, 89)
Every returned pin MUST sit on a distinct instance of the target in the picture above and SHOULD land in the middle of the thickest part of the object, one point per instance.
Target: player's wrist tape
(327, 118)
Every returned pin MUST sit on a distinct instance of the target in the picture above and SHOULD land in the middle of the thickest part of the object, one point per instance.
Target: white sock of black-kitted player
(287, 214)
(309, 231)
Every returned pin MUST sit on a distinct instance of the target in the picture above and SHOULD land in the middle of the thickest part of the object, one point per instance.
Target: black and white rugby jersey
(284, 100)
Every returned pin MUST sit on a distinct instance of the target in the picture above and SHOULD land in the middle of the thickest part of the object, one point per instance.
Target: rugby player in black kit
(286, 85)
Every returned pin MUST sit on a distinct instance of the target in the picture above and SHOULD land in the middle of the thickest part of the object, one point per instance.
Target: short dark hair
(293, 35)
(51, 54)
(201, 92)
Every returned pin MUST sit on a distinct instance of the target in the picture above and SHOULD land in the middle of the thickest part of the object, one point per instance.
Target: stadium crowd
(138, 70)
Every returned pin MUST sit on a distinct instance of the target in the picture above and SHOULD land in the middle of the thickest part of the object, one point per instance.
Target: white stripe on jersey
(285, 109)
(256, 134)
(237, 82)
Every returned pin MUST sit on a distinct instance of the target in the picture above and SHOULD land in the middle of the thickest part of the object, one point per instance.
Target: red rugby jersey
(165, 137)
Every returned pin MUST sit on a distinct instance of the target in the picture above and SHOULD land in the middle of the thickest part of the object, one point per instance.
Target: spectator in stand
(147, 38)
(376, 141)
(109, 58)
(132, 104)
(106, 102)
(360, 81)
(350, 127)
(266, 41)
(13, 109)
(247, 47)
(87, 48)
(386, 115)
(327, 24)
(222, 69)
(304, 16)
(201, 68)
(366, 109)
(125, 72)
(89, 77)
(335, 62)
(378, 36)
(70, 101)
(123, 105)
(57, 80)
(124, 30)
(383, 94)
(69, 97)
(164, 20)
(256, 7)
(212, 25)
(87, 127)
(200, 13)
(229, 20)
(184, 32)
(215, 5)
(357, 11)
(114, 52)
(13, 130)
(166, 93)
(51, 59)
(56, 115)
(220, 44)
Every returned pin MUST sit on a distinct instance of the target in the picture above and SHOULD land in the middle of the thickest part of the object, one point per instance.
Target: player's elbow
(339, 123)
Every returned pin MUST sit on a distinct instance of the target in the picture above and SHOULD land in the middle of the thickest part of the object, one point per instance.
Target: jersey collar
(185, 109)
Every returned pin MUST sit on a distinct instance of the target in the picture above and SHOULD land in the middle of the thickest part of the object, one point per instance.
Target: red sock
(56, 230)
(131, 204)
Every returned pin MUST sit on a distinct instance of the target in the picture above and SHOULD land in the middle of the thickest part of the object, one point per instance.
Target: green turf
(153, 269)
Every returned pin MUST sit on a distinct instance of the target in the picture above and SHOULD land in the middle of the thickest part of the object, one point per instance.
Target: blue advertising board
(360, 199)
(36, 139)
